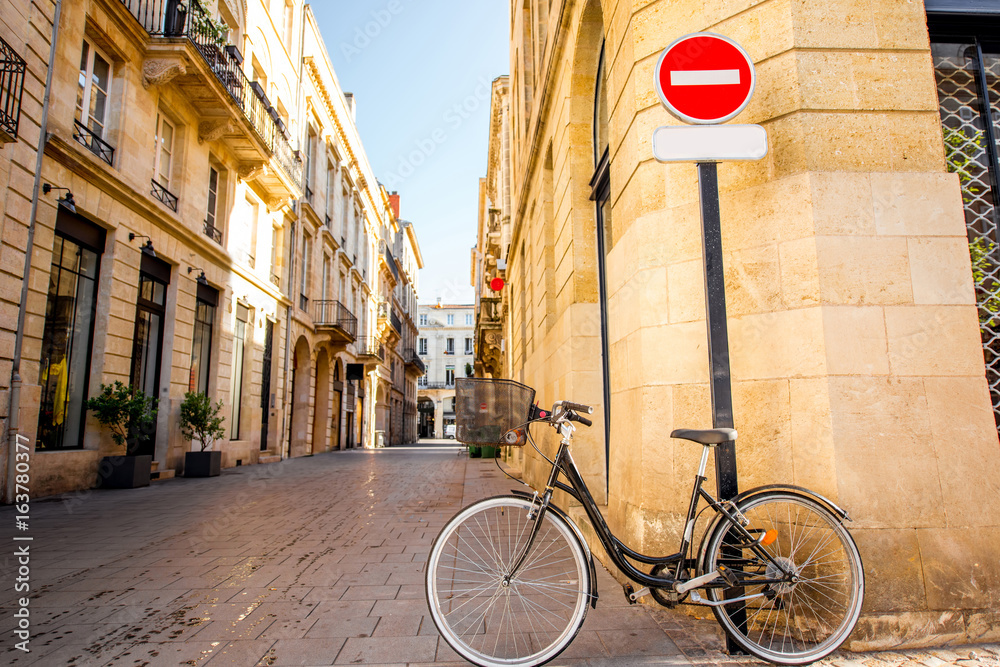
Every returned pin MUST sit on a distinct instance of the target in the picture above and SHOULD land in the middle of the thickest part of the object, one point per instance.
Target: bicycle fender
(800, 490)
(579, 535)
(837, 511)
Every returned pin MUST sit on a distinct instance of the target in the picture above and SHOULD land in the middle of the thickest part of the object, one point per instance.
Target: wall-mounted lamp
(201, 279)
(66, 200)
(147, 247)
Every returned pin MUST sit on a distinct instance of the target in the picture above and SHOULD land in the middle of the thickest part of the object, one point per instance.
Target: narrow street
(313, 561)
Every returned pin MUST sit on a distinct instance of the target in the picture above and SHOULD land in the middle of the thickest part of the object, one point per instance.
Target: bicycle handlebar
(576, 407)
(573, 417)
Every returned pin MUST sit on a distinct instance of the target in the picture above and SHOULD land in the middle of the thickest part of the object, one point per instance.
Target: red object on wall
(394, 203)
(496, 284)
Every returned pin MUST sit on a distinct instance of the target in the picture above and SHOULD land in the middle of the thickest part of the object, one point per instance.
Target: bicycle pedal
(728, 575)
(629, 593)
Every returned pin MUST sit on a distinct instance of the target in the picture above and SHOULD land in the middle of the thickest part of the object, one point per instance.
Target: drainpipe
(286, 443)
(13, 414)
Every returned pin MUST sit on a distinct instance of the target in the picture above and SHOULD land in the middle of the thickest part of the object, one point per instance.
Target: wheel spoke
(484, 617)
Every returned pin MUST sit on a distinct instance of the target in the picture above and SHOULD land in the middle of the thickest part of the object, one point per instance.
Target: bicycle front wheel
(491, 617)
(798, 621)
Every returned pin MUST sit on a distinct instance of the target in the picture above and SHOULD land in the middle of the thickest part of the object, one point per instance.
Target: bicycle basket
(485, 409)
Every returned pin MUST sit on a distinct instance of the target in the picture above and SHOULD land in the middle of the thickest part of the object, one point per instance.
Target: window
(423, 320)
(236, 383)
(449, 375)
(449, 347)
(310, 163)
(147, 345)
(288, 24)
(201, 348)
(468, 346)
(422, 380)
(246, 236)
(326, 275)
(275, 254)
(470, 319)
(67, 338)
(92, 101)
(422, 345)
(213, 196)
(451, 320)
(304, 277)
(164, 142)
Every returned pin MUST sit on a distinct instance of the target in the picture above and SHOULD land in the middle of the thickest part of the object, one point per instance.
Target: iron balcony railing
(173, 18)
(438, 385)
(390, 261)
(371, 347)
(166, 196)
(396, 323)
(335, 314)
(410, 356)
(12, 68)
(97, 146)
(213, 232)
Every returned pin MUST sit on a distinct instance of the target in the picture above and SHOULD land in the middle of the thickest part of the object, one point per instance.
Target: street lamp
(147, 247)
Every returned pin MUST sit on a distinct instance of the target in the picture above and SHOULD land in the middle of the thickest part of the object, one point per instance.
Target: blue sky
(421, 72)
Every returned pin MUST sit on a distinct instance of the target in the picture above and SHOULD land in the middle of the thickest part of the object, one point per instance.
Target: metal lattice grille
(970, 120)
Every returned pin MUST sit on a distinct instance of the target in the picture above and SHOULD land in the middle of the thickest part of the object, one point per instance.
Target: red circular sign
(496, 284)
(704, 78)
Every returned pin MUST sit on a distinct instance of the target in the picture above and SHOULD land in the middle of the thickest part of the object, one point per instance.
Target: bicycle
(509, 579)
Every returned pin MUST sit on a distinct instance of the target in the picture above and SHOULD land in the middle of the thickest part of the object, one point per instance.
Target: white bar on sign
(704, 77)
(709, 143)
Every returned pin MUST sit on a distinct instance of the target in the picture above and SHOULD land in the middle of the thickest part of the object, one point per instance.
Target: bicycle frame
(619, 552)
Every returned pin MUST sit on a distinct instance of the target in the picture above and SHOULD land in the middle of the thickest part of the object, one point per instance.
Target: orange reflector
(769, 536)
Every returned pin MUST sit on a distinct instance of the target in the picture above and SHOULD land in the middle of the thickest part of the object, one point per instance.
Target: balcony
(189, 49)
(390, 261)
(334, 318)
(12, 68)
(437, 385)
(213, 232)
(371, 349)
(413, 360)
(94, 143)
(489, 335)
(160, 193)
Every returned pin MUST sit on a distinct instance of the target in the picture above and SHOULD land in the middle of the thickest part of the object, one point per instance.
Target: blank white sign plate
(709, 143)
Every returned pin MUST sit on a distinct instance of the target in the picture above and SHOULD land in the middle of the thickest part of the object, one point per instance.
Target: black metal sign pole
(718, 348)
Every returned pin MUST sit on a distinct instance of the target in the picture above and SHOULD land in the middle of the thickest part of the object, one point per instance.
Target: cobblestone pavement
(313, 561)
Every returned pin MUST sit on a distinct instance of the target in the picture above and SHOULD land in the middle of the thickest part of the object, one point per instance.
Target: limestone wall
(856, 359)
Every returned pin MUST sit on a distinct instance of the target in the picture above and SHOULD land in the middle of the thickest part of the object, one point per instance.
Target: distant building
(445, 344)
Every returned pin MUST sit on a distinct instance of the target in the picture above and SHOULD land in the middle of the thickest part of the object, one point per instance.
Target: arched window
(600, 185)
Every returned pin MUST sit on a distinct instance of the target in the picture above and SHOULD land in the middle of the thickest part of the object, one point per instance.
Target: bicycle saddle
(713, 436)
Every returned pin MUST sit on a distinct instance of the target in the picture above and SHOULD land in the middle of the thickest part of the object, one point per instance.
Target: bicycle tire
(793, 623)
(527, 622)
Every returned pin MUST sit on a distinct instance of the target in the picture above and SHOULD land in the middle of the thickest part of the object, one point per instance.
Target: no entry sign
(704, 78)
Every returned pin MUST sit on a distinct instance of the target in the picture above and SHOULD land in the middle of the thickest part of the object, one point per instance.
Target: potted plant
(200, 421)
(130, 415)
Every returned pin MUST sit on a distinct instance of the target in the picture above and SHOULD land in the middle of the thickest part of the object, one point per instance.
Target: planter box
(203, 464)
(124, 472)
(235, 54)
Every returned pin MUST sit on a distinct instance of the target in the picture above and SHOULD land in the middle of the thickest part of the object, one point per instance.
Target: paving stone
(375, 650)
(316, 573)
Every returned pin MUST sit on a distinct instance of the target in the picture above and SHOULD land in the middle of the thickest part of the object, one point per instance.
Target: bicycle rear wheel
(798, 622)
(488, 620)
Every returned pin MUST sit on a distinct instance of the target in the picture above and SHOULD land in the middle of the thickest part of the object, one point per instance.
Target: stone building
(860, 367)
(445, 344)
(212, 225)
(22, 84)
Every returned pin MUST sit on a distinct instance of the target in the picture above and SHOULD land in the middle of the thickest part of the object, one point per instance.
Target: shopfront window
(67, 340)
